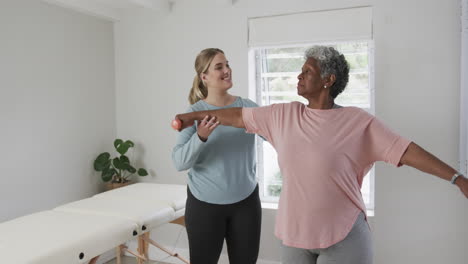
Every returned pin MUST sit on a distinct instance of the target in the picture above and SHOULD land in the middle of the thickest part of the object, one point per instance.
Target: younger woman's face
(218, 74)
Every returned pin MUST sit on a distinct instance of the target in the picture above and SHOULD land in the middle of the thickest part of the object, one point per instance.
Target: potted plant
(117, 171)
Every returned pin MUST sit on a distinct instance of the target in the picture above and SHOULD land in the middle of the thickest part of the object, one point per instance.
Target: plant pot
(115, 185)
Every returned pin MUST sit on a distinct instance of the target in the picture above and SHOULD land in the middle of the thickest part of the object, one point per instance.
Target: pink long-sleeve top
(323, 156)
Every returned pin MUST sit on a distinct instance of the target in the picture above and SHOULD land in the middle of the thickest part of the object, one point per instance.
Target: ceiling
(112, 10)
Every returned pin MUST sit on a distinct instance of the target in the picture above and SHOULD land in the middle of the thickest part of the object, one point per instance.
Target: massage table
(80, 231)
(59, 238)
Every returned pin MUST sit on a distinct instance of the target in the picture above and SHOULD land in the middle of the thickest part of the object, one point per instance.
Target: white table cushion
(174, 195)
(52, 237)
(146, 214)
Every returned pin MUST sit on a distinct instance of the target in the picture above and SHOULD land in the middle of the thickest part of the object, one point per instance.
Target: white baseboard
(159, 255)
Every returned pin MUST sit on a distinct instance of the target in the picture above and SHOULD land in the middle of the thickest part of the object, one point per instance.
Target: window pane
(273, 179)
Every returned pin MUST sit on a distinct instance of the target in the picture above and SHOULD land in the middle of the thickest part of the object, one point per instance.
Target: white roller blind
(464, 91)
(317, 26)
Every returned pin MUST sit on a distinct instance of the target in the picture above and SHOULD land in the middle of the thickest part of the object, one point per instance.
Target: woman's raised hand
(206, 127)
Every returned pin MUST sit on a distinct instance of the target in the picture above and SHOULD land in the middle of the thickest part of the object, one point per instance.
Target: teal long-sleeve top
(222, 169)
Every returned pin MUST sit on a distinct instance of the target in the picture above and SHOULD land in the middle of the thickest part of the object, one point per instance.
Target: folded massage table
(80, 231)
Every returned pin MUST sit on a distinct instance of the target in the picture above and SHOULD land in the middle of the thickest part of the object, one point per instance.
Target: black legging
(209, 224)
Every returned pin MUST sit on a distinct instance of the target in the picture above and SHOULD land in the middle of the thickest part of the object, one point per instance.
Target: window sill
(266, 205)
(274, 206)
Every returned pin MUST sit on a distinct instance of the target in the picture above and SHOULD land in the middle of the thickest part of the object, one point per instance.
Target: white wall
(419, 219)
(57, 104)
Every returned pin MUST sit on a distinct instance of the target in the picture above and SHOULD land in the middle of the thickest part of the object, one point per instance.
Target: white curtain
(310, 27)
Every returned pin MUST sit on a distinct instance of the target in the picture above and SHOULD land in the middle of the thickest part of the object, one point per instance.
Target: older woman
(324, 151)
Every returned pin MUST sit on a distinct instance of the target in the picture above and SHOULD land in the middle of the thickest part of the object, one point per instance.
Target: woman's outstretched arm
(227, 117)
(418, 158)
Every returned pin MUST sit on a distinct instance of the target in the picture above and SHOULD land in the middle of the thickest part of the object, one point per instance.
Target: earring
(325, 86)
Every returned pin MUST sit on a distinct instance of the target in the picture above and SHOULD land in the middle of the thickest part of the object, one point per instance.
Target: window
(276, 70)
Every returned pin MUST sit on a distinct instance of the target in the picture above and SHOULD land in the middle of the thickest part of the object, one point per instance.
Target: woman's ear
(330, 80)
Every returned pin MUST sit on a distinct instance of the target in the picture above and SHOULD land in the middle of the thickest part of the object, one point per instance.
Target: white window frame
(255, 93)
(463, 162)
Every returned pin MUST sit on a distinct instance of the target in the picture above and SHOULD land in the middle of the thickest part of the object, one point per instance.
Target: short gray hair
(330, 62)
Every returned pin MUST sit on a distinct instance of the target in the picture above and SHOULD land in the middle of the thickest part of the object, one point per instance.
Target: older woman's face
(310, 83)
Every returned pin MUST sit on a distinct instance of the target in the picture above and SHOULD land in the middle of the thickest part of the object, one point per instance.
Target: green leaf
(106, 178)
(117, 142)
(108, 164)
(117, 164)
(107, 174)
(123, 148)
(102, 161)
(124, 159)
(142, 172)
(130, 168)
(129, 143)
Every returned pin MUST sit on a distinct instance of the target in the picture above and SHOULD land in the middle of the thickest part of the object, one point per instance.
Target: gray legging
(356, 248)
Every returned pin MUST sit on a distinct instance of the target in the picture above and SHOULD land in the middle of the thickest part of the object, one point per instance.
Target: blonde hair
(202, 62)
